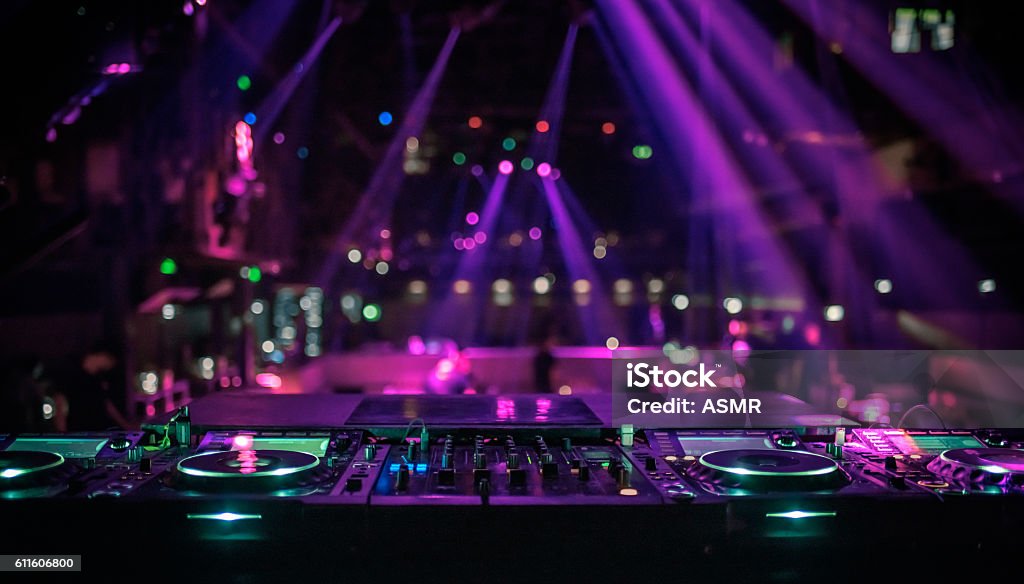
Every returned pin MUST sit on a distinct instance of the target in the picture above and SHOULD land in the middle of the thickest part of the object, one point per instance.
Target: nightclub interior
(355, 288)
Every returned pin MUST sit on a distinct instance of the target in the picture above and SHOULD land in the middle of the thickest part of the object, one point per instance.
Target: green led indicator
(244, 83)
(255, 274)
(168, 267)
(509, 144)
(527, 163)
(459, 158)
(224, 516)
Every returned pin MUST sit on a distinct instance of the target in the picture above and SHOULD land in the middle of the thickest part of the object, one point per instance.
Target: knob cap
(651, 464)
(354, 485)
(584, 473)
(403, 477)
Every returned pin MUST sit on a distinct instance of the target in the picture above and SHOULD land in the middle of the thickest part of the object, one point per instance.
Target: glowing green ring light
(11, 473)
(288, 470)
(768, 473)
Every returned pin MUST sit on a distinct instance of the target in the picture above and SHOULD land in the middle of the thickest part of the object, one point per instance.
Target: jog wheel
(981, 467)
(26, 473)
(248, 471)
(741, 472)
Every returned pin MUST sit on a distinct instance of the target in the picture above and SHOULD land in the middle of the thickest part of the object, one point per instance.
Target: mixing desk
(418, 488)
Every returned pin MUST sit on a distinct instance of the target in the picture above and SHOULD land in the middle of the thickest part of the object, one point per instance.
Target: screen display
(937, 444)
(315, 445)
(66, 447)
(698, 445)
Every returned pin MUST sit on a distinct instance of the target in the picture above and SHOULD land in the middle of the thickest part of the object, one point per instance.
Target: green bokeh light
(244, 83)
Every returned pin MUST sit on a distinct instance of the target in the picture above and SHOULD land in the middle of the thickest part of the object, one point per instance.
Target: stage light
(883, 286)
(472, 218)
(565, 390)
(600, 252)
(469, 243)
(509, 144)
(355, 256)
(462, 286)
(788, 323)
(642, 152)
(372, 312)
(526, 163)
(382, 268)
(278, 138)
(267, 346)
(412, 144)
(987, 286)
(255, 274)
(244, 83)
(459, 158)
(543, 169)
(543, 126)
(385, 118)
(302, 153)
(608, 128)
(480, 237)
(541, 285)
(256, 307)
(535, 233)
(385, 233)
(612, 343)
(516, 239)
(505, 167)
(656, 286)
(834, 312)
(417, 287)
(250, 118)
(475, 122)
(459, 244)
(349, 302)
(501, 286)
(623, 286)
(168, 311)
(732, 305)
(477, 170)
(581, 286)
(168, 267)
(680, 301)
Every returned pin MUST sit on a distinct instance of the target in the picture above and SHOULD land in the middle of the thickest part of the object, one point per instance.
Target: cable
(921, 407)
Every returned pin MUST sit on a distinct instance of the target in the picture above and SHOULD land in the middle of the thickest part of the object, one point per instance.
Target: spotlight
(541, 285)
(462, 287)
(608, 128)
(883, 286)
(505, 167)
(385, 118)
(987, 286)
(543, 126)
(475, 122)
(834, 312)
(623, 286)
(543, 169)
(732, 305)
(581, 286)
(680, 301)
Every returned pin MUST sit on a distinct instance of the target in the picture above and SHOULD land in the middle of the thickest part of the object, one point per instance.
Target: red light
(475, 122)
(608, 128)
(543, 126)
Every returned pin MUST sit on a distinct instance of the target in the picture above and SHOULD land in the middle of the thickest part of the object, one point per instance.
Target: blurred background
(468, 196)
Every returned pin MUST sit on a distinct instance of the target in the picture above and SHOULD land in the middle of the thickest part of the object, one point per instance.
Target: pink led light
(505, 167)
(543, 169)
(480, 237)
(535, 233)
(469, 243)
(472, 218)
(459, 244)
(271, 380)
(124, 68)
(242, 442)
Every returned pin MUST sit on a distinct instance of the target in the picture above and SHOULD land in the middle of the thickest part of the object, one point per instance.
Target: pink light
(543, 126)
(271, 380)
(188, 9)
(124, 68)
(505, 167)
(386, 254)
(535, 233)
(385, 233)
(472, 218)
(110, 69)
(469, 243)
(480, 237)
(242, 442)
(460, 244)
(556, 174)
(278, 138)
(477, 170)
(201, 2)
(543, 169)
(150, 410)
(51, 135)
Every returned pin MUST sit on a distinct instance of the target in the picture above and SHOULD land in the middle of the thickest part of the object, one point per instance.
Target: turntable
(278, 472)
(32, 474)
(986, 470)
(763, 471)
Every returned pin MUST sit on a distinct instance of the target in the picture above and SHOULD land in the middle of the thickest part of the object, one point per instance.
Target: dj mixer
(538, 500)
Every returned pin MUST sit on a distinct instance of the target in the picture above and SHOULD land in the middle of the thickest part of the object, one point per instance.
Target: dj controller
(514, 501)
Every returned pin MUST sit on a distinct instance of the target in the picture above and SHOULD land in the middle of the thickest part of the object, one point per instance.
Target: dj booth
(249, 487)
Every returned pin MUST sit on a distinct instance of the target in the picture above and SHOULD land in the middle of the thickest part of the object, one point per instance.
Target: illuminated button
(689, 458)
(915, 456)
(671, 458)
(629, 492)
(933, 484)
(900, 457)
